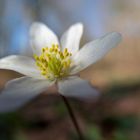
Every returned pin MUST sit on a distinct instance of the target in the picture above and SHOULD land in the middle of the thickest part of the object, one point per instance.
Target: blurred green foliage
(10, 124)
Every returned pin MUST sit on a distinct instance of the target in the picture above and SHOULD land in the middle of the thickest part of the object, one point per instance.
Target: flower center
(53, 63)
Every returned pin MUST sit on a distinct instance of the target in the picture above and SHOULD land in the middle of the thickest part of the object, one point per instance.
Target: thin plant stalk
(73, 118)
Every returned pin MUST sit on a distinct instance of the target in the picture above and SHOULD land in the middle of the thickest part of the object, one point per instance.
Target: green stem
(73, 118)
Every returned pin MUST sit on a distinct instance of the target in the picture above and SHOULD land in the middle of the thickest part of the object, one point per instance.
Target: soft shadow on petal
(19, 91)
(78, 88)
(71, 38)
(22, 64)
(41, 36)
(95, 50)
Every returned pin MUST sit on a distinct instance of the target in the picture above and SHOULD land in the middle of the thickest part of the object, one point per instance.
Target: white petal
(71, 38)
(19, 91)
(78, 88)
(95, 50)
(41, 36)
(22, 64)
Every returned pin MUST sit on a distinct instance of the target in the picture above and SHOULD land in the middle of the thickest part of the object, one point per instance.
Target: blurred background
(116, 114)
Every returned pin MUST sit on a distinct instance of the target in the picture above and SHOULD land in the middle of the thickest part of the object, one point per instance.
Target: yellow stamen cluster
(53, 63)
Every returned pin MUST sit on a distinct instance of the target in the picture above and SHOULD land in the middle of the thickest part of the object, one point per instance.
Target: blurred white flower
(54, 62)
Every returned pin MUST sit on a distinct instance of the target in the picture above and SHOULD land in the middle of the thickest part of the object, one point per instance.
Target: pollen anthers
(53, 63)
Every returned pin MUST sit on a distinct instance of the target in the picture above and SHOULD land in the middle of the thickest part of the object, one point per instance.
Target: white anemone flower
(53, 62)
